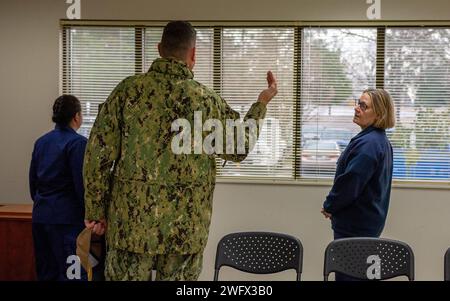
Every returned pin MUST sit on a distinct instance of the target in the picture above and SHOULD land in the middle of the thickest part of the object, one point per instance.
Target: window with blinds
(418, 77)
(246, 56)
(338, 64)
(95, 60)
(320, 71)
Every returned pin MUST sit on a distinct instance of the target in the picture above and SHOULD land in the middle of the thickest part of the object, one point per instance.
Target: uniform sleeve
(232, 150)
(76, 155)
(33, 176)
(349, 185)
(103, 148)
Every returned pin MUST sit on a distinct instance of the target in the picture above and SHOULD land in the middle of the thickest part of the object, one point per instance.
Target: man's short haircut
(178, 37)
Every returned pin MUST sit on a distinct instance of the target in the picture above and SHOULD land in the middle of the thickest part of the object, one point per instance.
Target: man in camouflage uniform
(157, 204)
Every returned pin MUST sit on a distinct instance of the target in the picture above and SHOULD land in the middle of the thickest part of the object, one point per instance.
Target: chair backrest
(356, 256)
(259, 253)
(447, 265)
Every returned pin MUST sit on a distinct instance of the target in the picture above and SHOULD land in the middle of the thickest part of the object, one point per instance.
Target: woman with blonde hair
(359, 199)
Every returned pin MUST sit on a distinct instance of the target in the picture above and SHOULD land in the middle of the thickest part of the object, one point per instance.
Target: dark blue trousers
(53, 244)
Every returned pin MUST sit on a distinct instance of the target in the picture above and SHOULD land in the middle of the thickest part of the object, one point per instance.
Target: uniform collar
(64, 128)
(172, 67)
(366, 131)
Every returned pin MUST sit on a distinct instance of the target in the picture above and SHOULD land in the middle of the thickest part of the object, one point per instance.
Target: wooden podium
(16, 243)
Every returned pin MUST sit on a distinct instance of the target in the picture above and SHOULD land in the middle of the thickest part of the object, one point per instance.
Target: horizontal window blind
(151, 40)
(418, 76)
(246, 56)
(337, 65)
(95, 60)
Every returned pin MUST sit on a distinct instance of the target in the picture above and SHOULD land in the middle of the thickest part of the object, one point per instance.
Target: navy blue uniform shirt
(359, 198)
(56, 180)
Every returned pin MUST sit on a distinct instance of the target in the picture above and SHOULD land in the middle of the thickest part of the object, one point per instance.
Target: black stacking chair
(350, 256)
(447, 265)
(259, 253)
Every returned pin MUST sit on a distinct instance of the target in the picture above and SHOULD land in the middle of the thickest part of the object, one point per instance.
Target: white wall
(29, 77)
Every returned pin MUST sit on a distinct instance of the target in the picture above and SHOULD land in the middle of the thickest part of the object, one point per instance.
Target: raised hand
(266, 95)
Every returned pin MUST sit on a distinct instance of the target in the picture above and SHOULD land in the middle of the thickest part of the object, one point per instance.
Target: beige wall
(29, 77)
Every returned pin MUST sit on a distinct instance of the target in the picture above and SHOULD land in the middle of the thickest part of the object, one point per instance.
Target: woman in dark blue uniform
(359, 199)
(56, 187)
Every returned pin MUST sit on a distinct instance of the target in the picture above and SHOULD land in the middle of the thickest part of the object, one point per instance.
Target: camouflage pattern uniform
(155, 202)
